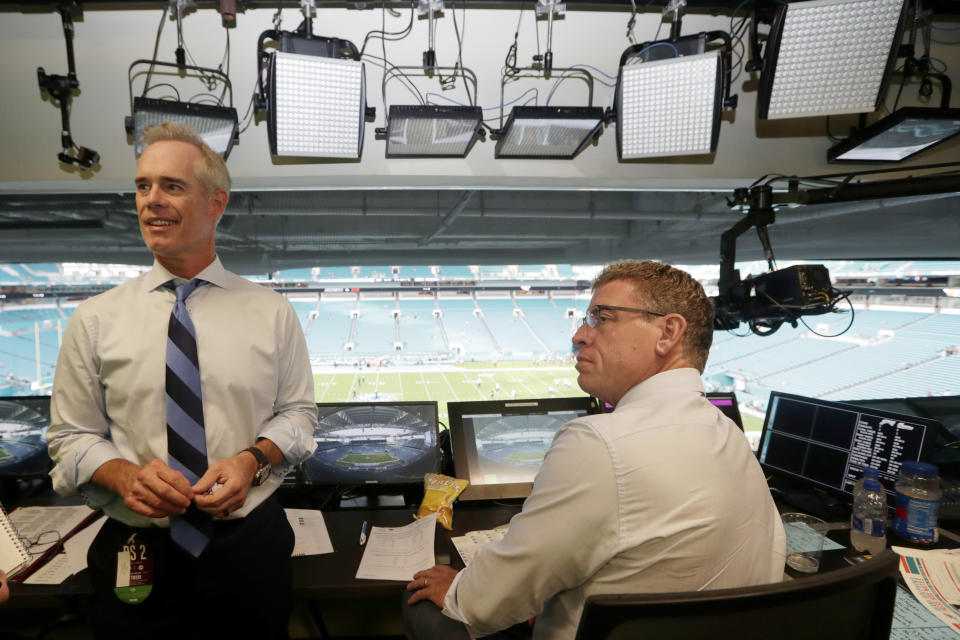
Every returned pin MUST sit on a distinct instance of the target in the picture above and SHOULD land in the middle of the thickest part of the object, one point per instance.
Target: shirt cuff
(69, 479)
(450, 608)
(290, 439)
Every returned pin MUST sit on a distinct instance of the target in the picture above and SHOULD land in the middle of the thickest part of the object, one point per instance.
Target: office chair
(851, 603)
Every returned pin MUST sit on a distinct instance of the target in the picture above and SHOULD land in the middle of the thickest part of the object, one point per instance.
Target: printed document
(73, 558)
(310, 532)
(468, 545)
(396, 553)
(927, 574)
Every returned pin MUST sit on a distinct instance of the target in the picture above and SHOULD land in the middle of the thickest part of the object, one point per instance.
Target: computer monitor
(943, 409)
(827, 444)
(374, 443)
(23, 444)
(726, 401)
(498, 445)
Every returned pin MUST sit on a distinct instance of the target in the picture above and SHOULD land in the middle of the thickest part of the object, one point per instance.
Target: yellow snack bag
(439, 492)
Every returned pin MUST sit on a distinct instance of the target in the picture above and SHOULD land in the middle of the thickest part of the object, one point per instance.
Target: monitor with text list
(827, 444)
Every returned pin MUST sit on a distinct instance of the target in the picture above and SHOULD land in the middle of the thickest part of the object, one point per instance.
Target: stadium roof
(269, 230)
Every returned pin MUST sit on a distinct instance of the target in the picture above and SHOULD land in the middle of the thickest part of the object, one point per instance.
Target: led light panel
(216, 125)
(904, 133)
(548, 132)
(431, 131)
(316, 106)
(828, 57)
(669, 107)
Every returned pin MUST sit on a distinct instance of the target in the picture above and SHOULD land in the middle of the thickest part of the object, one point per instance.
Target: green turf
(476, 381)
(751, 422)
(4, 454)
(366, 458)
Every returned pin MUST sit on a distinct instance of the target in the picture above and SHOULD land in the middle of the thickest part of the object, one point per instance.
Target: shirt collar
(668, 382)
(214, 273)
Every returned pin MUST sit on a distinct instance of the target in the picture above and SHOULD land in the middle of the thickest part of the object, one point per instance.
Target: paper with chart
(396, 553)
(921, 570)
(912, 621)
(468, 545)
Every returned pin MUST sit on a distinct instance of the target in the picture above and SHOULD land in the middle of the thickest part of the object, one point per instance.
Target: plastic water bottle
(868, 526)
(918, 496)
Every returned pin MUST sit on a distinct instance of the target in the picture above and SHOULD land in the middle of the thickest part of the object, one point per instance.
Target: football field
(474, 381)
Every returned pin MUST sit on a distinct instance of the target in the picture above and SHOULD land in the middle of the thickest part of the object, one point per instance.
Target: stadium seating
(887, 352)
(419, 330)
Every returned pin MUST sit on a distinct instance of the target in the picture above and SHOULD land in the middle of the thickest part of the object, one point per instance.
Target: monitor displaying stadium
(23, 445)
(827, 444)
(498, 445)
(726, 401)
(365, 443)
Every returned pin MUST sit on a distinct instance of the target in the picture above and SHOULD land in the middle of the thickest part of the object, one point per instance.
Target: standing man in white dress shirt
(109, 435)
(662, 494)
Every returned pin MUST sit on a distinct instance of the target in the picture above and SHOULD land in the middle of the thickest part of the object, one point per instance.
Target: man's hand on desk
(234, 475)
(154, 490)
(4, 588)
(431, 584)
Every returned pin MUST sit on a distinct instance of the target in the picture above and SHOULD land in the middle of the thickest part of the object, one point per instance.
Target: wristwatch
(263, 468)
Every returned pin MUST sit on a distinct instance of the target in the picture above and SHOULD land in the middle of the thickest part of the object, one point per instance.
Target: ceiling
(264, 231)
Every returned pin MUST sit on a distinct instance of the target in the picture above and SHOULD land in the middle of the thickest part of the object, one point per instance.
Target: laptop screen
(498, 445)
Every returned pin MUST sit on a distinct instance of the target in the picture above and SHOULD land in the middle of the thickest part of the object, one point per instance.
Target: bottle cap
(922, 469)
(871, 484)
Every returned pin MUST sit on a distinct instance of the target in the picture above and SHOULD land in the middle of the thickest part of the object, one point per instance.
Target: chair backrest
(854, 603)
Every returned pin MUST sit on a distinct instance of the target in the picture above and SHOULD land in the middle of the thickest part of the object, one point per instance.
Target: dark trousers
(425, 621)
(240, 586)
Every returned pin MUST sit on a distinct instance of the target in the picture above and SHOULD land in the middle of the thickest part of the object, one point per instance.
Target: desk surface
(332, 574)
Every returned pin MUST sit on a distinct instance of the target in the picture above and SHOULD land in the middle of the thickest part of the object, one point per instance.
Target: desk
(332, 575)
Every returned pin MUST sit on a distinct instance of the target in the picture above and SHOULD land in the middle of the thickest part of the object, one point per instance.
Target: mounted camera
(61, 89)
(766, 301)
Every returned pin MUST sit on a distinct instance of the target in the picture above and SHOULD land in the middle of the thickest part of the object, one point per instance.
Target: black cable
(510, 61)
(843, 295)
(903, 82)
(829, 134)
(385, 65)
(383, 34)
(156, 47)
(463, 74)
(162, 84)
(383, 48)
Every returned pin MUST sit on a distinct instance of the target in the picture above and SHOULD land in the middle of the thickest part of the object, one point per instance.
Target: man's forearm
(272, 451)
(116, 475)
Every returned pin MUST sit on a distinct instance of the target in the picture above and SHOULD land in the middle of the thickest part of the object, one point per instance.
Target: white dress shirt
(663, 494)
(109, 395)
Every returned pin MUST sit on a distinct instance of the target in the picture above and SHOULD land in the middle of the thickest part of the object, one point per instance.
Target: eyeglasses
(592, 319)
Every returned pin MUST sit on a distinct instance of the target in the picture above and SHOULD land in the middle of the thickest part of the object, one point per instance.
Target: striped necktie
(186, 437)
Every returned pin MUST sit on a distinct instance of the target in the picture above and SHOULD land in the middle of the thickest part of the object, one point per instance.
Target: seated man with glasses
(663, 494)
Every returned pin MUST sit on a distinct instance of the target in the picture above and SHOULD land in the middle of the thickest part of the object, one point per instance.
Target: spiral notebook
(13, 555)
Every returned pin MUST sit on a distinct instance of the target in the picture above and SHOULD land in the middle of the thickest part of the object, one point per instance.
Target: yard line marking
(426, 387)
(450, 386)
